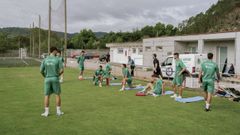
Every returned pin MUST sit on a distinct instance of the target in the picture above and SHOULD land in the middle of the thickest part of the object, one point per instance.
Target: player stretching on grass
(127, 78)
(178, 78)
(80, 61)
(155, 87)
(98, 77)
(207, 78)
(51, 68)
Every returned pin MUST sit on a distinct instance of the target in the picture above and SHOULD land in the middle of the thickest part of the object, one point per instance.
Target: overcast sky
(100, 15)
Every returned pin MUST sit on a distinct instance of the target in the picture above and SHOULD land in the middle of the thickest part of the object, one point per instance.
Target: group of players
(52, 70)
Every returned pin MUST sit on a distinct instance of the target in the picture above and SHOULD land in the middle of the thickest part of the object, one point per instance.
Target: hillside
(17, 31)
(221, 17)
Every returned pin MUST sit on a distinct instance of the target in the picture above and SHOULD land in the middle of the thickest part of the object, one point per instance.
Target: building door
(222, 57)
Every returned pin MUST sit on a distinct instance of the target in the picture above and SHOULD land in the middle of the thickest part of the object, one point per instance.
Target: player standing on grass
(156, 66)
(178, 77)
(207, 78)
(80, 61)
(108, 70)
(51, 68)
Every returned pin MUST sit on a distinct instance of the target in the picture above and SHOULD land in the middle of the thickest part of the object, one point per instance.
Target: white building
(222, 45)
(119, 52)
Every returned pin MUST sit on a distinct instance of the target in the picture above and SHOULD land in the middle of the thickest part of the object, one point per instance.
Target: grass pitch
(90, 110)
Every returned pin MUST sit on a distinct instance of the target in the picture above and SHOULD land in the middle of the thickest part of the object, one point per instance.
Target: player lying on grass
(80, 61)
(51, 68)
(155, 87)
(98, 76)
(127, 78)
(107, 75)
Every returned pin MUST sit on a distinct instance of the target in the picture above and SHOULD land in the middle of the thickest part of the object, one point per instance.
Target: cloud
(101, 15)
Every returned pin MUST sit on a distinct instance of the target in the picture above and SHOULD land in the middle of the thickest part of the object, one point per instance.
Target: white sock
(207, 106)
(58, 109)
(46, 110)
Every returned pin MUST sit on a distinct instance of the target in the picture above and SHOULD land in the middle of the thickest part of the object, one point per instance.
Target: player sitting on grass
(51, 68)
(127, 78)
(155, 87)
(80, 61)
(108, 73)
(62, 60)
(98, 76)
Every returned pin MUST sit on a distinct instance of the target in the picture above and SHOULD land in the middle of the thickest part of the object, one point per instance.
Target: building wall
(117, 57)
(161, 47)
(212, 46)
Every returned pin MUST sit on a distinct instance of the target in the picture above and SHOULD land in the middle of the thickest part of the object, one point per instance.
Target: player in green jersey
(127, 78)
(108, 70)
(62, 60)
(81, 60)
(155, 87)
(51, 68)
(178, 77)
(98, 76)
(207, 78)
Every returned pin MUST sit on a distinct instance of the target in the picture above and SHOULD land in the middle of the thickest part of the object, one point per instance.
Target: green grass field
(90, 110)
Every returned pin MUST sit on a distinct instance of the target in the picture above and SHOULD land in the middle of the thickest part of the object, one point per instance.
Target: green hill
(224, 16)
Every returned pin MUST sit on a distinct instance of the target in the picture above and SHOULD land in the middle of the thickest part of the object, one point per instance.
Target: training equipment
(135, 88)
(140, 94)
(115, 84)
(189, 100)
(168, 93)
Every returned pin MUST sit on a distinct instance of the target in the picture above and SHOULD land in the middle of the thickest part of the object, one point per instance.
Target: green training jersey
(99, 72)
(61, 58)
(108, 67)
(158, 86)
(126, 73)
(81, 60)
(51, 66)
(209, 68)
(179, 67)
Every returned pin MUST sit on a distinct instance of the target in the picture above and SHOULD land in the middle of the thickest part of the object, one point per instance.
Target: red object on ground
(140, 94)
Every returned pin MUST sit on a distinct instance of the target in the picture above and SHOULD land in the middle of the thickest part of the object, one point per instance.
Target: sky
(100, 15)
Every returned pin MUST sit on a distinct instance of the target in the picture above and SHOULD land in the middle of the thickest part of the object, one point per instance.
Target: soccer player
(98, 77)
(51, 68)
(127, 78)
(62, 60)
(178, 77)
(207, 78)
(108, 70)
(155, 87)
(80, 61)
